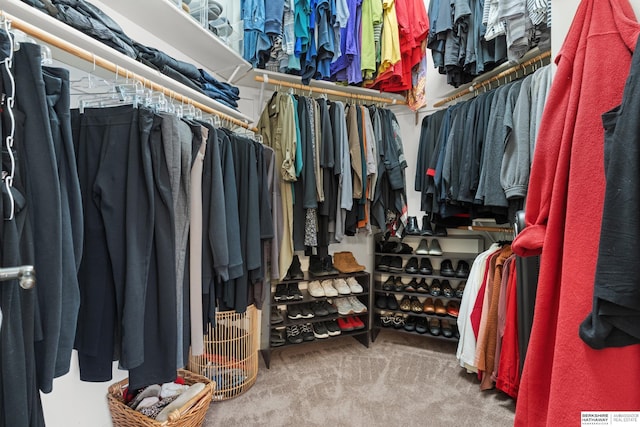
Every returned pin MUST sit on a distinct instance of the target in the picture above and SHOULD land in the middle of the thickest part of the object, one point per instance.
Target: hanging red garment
(508, 376)
(562, 376)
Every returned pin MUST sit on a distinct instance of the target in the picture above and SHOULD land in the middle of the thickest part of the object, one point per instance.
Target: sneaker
(319, 309)
(294, 272)
(345, 324)
(389, 283)
(357, 306)
(434, 247)
(277, 338)
(327, 287)
(341, 286)
(423, 248)
(293, 292)
(331, 308)
(315, 289)
(281, 292)
(332, 328)
(320, 330)
(357, 323)
(344, 307)
(306, 311)
(354, 286)
(306, 331)
(294, 335)
(276, 316)
(293, 312)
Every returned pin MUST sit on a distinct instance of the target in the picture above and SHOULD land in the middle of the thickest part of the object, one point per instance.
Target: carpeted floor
(399, 380)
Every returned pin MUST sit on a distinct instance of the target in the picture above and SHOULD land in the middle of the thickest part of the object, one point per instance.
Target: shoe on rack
(384, 263)
(389, 284)
(320, 330)
(426, 229)
(398, 286)
(332, 328)
(460, 289)
(396, 264)
(294, 272)
(331, 308)
(463, 269)
(276, 316)
(416, 305)
(412, 265)
(315, 266)
(440, 231)
(453, 308)
(306, 330)
(341, 286)
(405, 249)
(405, 303)
(399, 320)
(446, 268)
(392, 302)
(423, 287)
(410, 324)
(381, 301)
(412, 286)
(294, 312)
(423, 247)
(277, 337)
(421, 325)
(345, 324)
(447, 290)
(281, 292)
(345, 262)
(434, 247)
(327, 287)
(425, 266)
(344, 307)
(318, 308)
(327, 266)
(428, 307)
(315, 289)
(386, 320)
(293, 292)
(354, 286)
(294, 335)
(434, 326)
(435, 289)
(447, 330)
(307, 312)
(357, 306)
(440, 309)
(412, 226)
(357, 323)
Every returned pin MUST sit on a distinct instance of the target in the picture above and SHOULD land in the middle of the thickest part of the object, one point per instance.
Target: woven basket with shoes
(190, 414)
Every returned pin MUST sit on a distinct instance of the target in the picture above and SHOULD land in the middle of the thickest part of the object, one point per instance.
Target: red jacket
(562, 376)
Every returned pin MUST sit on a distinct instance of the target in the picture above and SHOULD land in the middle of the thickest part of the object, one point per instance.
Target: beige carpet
(400, 380)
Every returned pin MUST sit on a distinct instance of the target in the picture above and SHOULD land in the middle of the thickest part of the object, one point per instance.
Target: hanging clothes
(562, 375)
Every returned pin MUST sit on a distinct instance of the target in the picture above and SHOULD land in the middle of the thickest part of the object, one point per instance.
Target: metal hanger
(7, 177)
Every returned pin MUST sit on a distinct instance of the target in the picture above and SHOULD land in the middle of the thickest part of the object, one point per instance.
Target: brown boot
(345, 262)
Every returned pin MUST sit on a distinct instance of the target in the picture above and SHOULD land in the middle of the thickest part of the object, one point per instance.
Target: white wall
(76, 403)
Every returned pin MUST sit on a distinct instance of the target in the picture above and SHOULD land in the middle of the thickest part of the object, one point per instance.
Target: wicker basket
(191, 415)
(230, 356)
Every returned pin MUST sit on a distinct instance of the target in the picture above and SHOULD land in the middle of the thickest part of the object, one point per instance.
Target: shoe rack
(391, 280)
(287, 306)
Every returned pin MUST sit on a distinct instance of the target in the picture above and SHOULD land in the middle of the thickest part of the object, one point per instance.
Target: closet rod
(486, 228)
(334, 92)
(487, 82)
(36, 32)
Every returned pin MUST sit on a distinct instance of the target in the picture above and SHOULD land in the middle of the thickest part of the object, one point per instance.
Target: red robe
(562, 376)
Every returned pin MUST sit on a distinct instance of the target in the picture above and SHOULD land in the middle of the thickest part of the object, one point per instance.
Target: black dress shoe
(381, 301)
(434, 326)
(392, 302)
(426, 226)
(446, 268)
(447, 290)
(412, 266)
(425, 266)
(410, 323)
(388, 284)
(447, 330)
(463, 269)
(412, 226)
(421, 325)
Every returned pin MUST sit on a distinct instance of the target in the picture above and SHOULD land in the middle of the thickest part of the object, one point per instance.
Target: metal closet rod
(487, 82)
(334, 92)
(64, 45)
